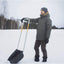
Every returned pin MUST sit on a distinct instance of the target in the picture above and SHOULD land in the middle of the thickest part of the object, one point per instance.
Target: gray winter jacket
(44, 27)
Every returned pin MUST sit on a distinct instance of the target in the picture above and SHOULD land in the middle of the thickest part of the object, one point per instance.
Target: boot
(44, 59)
(36, 58)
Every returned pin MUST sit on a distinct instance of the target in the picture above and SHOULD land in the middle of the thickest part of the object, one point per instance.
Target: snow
(9, 41)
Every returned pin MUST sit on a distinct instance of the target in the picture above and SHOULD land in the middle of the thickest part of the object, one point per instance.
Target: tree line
(13, 24)
(7, 23)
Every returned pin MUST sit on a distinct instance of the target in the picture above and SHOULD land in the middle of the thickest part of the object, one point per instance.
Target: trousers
(43, 48)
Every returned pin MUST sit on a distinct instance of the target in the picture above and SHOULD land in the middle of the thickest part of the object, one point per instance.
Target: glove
(22, 19)
(46, 41)
(25, 19)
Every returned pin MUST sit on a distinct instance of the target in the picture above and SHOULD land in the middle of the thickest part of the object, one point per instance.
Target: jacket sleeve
(48, 28)
(34, 20)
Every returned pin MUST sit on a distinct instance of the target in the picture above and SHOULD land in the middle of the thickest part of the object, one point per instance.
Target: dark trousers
(43, 48)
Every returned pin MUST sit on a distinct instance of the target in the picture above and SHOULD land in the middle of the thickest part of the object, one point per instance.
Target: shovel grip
(21, 28)
(27, 27)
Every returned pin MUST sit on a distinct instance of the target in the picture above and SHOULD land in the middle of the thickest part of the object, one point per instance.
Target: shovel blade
(16, 56)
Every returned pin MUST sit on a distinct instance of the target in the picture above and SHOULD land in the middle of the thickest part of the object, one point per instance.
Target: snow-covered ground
(9, 40)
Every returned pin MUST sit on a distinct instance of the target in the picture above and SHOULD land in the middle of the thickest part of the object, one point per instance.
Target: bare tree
(4, 7)
(3, 12)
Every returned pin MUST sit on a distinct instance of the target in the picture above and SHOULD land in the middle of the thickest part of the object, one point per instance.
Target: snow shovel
(18, 55)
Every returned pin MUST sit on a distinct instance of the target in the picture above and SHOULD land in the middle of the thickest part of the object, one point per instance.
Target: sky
(31, 8)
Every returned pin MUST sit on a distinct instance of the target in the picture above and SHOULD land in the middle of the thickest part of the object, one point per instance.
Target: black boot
(36, 58)
(44, 59)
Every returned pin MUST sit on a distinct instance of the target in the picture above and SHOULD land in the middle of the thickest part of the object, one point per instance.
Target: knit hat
(44, 9)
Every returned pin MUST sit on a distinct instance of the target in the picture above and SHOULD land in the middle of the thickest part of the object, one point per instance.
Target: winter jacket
(44, 27)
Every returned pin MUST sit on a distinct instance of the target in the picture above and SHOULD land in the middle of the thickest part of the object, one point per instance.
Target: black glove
(22, 19)
(26, 19)
(46, 41)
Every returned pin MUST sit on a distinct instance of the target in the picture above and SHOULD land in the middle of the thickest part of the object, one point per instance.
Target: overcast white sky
(31, 9)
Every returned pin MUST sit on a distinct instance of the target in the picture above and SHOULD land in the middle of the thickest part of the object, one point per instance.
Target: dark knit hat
(44, 9)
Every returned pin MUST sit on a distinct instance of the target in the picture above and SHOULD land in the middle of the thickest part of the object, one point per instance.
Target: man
(43, 33)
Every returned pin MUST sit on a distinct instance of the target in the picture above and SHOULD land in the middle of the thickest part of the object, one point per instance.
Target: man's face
(42, 12)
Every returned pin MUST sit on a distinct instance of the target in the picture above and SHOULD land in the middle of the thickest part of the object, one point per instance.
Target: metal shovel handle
(25, 36)
(20, 36)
